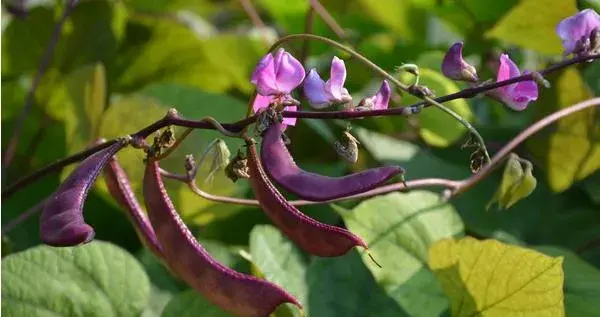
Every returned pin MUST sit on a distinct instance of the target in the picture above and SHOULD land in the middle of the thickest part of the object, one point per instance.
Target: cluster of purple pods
(163, 232)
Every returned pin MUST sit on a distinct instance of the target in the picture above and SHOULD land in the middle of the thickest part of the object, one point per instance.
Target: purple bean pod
(237, 293)
(280, 166)
(120, 189)
(310, 235)
(62, 223)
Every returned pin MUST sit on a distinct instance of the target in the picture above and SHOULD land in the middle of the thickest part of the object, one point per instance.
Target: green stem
(464, 122)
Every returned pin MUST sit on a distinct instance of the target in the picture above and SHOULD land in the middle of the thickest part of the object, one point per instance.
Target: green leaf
(581, 283)
(175, 53)
(96, 279)
(417, 162)
(343, 286)
(192, 304)
(570, 150)
(195, 104)
(492, 278)
(399, 228)
(534, 31)
(279, 260)
(516, 183)
(24, 41)
(402, 17)
(437, 128)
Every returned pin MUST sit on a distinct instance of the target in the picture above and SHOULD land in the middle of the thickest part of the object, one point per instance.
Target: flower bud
(455, 67)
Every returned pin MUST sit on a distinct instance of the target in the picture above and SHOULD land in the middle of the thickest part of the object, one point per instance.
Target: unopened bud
(420, 91)
(540, 80)
(455, 67)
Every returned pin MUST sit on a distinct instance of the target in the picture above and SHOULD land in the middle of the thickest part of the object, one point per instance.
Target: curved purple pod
(280, 166)
(120, 189)
(310, 235)
(62, 222)
(237, 293)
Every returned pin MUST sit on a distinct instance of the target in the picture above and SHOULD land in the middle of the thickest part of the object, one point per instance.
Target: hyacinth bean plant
(287, 92)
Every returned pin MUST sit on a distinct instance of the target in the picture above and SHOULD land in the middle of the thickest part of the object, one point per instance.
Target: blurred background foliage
(119, 65)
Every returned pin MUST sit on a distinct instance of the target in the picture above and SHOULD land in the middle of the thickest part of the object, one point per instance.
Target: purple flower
(455, 67)
(576, 31)
(379, 101)
(275, 77)
(517, 95)
(321, 94)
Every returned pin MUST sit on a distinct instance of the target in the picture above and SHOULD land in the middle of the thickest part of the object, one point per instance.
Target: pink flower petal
(335, 84)
(290, 121)
(518, 95)
(266, 60)
(382, 98)
(577, 27)
(289, 73)
(314, 90)
(261, 102)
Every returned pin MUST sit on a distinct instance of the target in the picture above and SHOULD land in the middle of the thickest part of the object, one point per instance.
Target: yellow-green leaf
(402, 17)
(532, 23)
(489, 278)
(569, 150)
(437, 127)
(517, 183)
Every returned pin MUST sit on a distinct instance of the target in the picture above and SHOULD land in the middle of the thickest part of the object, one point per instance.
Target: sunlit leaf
(279, 259)
(495, 279)
(175, 53)
(569, 150)
(531, 24)
(280, 262)
(401, 17)
(399, 228)
(97, 279)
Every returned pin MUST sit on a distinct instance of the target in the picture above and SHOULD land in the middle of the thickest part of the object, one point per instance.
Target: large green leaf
(436, 126)
(97, 279)
(531, 24)
(279, 260)
(399, 228)
(495, 279)
(581, 283)
(417, 162)
(190, 304)
(24, 41)
(401, 17)
(569, 151)
(163, 51)
(343, 286)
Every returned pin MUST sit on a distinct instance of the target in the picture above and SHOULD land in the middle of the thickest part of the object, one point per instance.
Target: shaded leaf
(581, 283)
(569, 150)
(401, 17)
(531, 24)
(492, 278)
(97, 279)
(343, 286)
(438, 128)
(399, 228)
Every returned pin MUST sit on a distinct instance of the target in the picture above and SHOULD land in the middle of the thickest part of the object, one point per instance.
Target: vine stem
(520, 138)
(241, 124)
(456, 187)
